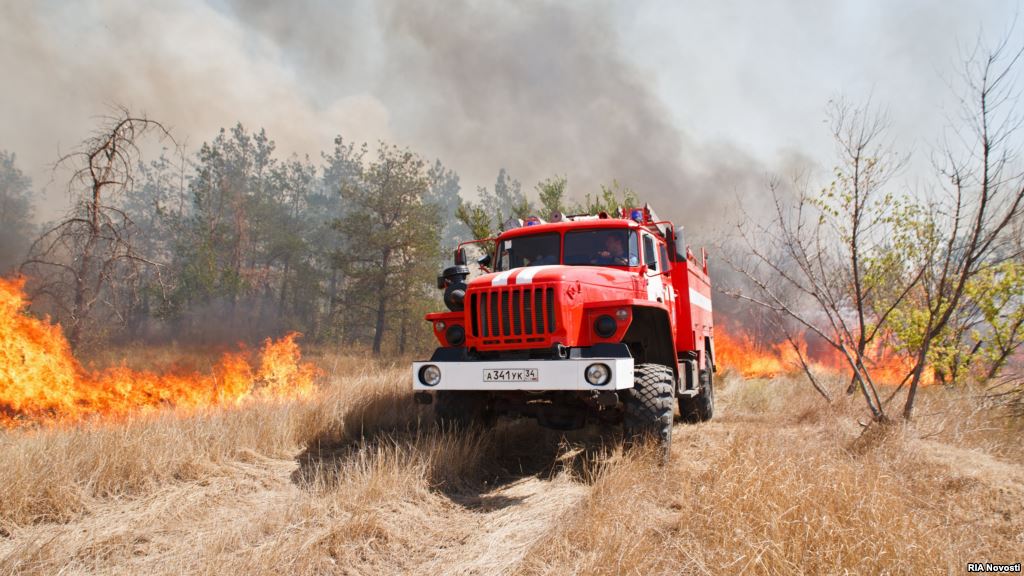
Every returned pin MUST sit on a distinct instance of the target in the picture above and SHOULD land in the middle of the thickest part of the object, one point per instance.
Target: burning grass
(739, 351)
(357, 479)
(42, 382)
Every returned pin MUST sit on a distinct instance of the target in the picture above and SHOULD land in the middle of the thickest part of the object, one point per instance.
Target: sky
(686, 102)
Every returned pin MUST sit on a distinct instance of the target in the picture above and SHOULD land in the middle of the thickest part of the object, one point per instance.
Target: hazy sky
(684, 101)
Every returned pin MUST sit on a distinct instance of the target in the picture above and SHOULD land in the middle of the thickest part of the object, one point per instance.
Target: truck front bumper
(531, 375)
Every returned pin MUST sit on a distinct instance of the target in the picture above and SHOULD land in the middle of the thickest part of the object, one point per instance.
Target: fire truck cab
(588, 318)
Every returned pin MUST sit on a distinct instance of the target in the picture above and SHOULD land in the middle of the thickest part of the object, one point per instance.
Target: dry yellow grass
(359, 481)
(782, 493)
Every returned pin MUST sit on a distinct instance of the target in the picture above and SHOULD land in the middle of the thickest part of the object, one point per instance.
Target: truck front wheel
(648, 405)
(462, 409)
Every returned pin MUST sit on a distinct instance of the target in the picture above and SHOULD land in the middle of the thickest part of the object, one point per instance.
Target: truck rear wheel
(699, 408)
(648, 405)
(462, 409)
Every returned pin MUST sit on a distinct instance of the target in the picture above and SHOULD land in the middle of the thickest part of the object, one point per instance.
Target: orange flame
(42, 382)
(738, 350)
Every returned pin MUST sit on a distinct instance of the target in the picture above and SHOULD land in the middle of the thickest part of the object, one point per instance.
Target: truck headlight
(455, 335)
(598, 374)
(430, 375)
(605, 326)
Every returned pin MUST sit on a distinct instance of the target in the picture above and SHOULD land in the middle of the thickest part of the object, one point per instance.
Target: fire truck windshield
(602, 247)
(597, 247)
(528, 251)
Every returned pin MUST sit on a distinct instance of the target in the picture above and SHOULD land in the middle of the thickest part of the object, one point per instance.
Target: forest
(235, 241)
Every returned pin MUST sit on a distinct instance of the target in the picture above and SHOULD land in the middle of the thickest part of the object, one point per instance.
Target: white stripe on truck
(699, 300)
(502, 279)
(526, 276)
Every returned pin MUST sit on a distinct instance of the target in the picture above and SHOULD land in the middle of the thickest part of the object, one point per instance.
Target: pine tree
(392, 238)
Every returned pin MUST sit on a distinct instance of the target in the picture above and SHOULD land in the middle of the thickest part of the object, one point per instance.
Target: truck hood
(590, 275)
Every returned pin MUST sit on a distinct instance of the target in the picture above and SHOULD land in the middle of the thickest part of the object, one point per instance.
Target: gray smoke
(190, 64)
(537, 87)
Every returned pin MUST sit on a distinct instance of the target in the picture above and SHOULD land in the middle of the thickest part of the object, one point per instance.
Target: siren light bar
(642, 215)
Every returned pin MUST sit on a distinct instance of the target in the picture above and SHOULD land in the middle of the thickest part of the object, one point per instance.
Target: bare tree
(88, 259)
(853, 263)
(973, 227)
(828, 261)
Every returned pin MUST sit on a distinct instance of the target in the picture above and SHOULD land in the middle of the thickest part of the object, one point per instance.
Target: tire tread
(648, 405)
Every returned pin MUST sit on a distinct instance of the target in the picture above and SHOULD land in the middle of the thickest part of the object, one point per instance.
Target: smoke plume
(537, 87)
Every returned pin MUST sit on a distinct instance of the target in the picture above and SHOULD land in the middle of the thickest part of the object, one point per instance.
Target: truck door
(665, 264)
(655, 286)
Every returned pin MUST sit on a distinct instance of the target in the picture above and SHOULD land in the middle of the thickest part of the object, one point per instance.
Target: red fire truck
(589, 318)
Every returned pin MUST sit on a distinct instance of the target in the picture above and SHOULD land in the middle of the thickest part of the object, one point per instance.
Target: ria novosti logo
(988, 567)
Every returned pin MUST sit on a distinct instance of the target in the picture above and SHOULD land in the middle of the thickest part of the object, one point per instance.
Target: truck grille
(526, 312)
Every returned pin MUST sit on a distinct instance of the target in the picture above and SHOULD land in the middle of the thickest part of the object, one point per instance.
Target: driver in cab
(614, 252)
(540, 259)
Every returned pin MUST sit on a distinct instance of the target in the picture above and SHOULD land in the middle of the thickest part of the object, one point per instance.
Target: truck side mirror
(484, 260)
(460, 256)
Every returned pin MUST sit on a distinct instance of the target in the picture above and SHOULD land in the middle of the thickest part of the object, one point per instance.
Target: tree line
(235, 240)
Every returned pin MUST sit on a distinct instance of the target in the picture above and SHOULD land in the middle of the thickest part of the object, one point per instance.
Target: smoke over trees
(235, 241)
(16, 218)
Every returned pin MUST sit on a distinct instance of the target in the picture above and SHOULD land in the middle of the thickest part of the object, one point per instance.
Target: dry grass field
(359, 481)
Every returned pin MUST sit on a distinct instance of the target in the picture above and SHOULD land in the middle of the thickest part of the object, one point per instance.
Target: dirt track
(483, 533)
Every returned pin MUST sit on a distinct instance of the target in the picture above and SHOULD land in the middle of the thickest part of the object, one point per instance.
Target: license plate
(512, 375)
